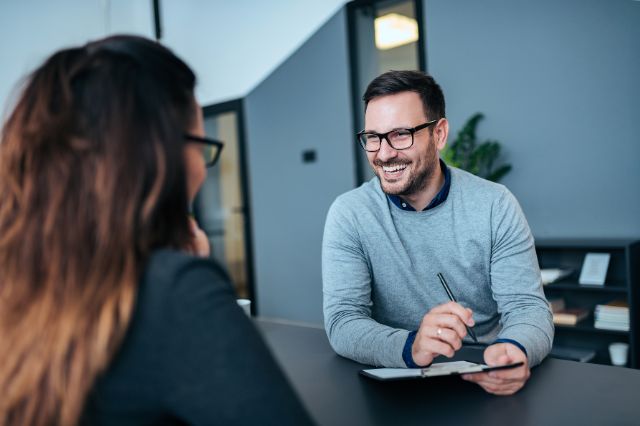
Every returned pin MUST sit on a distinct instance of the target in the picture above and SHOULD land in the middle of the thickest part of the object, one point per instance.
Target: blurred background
(281, 81)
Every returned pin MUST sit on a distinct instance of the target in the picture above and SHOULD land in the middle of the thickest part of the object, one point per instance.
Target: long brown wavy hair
(92, 179)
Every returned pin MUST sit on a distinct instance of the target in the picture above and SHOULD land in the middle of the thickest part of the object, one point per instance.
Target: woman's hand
(199, 242)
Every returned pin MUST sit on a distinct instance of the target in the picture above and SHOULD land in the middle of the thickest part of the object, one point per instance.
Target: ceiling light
(393, 30)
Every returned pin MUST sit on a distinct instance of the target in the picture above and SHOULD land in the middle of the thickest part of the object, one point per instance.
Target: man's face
(408, 171)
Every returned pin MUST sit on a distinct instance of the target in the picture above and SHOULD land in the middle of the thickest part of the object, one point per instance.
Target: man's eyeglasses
(211, 151)
(398, 139)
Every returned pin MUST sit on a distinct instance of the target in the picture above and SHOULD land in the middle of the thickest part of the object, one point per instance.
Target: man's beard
(418, 179)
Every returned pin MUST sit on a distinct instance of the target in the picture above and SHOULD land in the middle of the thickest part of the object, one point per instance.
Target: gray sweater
(379, 266)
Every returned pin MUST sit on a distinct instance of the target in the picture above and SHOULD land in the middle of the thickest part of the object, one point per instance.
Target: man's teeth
(395, 168)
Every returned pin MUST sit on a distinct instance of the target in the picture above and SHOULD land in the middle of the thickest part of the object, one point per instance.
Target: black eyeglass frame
(207, 141)
(385, 136)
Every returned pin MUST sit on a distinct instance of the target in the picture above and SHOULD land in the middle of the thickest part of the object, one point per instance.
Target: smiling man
(386, 241)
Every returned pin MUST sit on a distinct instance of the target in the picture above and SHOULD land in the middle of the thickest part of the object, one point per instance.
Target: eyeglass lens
(210, 152)
(398, 139)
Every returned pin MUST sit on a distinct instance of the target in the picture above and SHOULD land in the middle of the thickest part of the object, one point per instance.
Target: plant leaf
(478, 158)
(497, 175)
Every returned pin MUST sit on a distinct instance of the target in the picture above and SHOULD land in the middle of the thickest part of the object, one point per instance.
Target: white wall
(31, 30)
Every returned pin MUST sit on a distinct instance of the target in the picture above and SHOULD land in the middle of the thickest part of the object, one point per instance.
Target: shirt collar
(440, 197)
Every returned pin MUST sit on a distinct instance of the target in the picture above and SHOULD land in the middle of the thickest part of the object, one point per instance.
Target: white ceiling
(234, 45)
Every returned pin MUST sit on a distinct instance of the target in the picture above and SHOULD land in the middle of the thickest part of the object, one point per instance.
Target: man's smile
(393, 171)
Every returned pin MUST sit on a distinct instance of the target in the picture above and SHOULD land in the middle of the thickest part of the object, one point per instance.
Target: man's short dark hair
(393, 82)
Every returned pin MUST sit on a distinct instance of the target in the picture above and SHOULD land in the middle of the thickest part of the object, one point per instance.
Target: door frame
(236, 106)
(352, 37)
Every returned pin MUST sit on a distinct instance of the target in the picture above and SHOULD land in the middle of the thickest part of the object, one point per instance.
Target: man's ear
(440, 133)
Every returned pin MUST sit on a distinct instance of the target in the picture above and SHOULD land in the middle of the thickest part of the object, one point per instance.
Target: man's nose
(386, 151)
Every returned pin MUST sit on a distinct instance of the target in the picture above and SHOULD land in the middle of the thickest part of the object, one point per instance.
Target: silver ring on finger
(439, 332)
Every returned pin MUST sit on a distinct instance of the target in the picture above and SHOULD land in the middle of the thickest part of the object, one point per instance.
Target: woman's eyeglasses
(211, 151)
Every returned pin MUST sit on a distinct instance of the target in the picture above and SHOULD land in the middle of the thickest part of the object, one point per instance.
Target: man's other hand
(502, 382)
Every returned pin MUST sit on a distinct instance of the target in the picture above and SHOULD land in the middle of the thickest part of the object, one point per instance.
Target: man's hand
(502, 382)
(441, 332)
(199, 242)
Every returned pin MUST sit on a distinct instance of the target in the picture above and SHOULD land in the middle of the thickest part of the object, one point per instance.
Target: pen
(453, 299)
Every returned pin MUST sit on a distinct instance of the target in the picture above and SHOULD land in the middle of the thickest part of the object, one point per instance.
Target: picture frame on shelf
(594, 269)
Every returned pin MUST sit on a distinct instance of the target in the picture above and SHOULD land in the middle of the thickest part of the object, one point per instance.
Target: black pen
(453, 299)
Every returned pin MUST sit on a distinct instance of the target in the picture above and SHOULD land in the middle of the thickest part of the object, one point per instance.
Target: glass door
(221, 207)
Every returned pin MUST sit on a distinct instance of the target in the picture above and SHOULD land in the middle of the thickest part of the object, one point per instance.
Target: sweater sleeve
(346, 279)
(516, 283)
(219, 370)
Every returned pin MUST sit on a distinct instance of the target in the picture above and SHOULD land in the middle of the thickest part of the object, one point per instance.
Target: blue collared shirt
(440, 197)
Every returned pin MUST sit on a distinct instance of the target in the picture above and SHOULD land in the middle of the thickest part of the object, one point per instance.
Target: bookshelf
(622, 282)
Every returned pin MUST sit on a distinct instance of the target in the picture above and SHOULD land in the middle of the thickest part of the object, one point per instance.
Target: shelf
(583, 244)
(586, 326)
(621, 283)
(580, 287)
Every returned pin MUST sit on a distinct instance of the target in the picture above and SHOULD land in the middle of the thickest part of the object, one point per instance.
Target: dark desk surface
(558, 392)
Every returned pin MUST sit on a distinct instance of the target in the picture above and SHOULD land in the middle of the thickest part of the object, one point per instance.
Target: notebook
(438, 369)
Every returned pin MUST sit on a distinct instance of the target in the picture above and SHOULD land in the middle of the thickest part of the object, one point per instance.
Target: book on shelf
(551, 275)
(617, 305)
(608, 325)
(556, 304)
(570, 316)
(563, 315)
(612, 316)
(572, 354)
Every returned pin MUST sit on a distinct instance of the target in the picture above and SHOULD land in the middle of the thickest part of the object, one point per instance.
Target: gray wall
(558, 84)
(303, 105)
(555, 80)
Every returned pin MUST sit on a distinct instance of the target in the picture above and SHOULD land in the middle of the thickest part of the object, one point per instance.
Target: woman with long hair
(105, 318)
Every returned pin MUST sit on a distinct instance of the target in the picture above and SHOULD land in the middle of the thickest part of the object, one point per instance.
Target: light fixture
(393, 30)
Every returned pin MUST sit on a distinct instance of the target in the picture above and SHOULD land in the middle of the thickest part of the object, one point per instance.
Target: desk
(558, 392)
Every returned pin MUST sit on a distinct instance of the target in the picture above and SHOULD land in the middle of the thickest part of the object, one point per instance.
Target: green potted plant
(478, 158)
